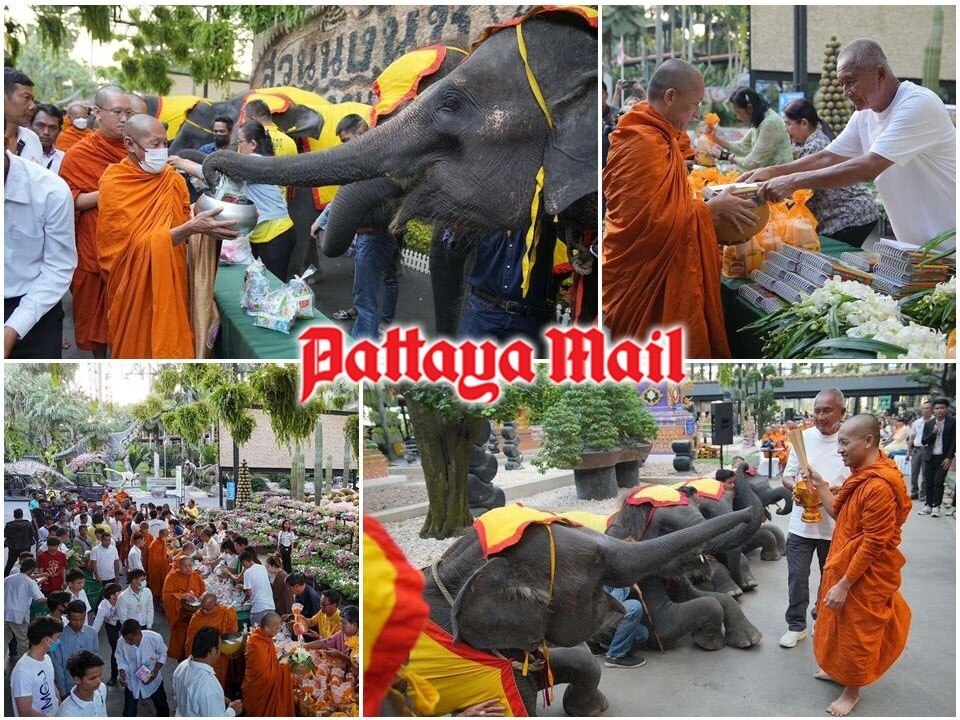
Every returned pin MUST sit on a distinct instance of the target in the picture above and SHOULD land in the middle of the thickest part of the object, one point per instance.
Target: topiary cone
(244, 491)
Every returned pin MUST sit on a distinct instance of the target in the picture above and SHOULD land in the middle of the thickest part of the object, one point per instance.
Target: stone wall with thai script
(341, 50)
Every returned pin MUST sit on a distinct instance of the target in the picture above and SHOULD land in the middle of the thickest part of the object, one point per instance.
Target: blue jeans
(631, 632)
(376, 265)
(482, 320)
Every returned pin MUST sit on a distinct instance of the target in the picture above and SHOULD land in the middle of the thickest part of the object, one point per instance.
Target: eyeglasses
(118, 112)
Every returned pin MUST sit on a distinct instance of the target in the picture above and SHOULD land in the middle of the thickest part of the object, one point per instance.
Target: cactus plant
(933, 51)
(832, 107)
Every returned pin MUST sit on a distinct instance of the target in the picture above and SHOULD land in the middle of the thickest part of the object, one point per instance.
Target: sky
(119, 382)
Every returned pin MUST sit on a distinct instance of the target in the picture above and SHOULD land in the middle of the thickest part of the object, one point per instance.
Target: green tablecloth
(239, 337)
(739, 313)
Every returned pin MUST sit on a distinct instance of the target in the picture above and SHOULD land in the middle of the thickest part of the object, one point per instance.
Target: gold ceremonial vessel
(231, 643)
(809, 500)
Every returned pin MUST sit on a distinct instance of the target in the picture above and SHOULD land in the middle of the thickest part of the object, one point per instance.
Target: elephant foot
(750, 585)
(770, 555)
(735, 592)
(580, 703)
(709, 641)
(743, 639)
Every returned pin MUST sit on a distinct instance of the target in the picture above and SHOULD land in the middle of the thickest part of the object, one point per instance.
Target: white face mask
(155, 160)
(79, 123)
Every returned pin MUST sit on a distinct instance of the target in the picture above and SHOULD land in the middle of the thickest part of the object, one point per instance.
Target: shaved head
(863, 55)
(76, 110)
(864, 424)
(208, 602)
(675, 74)
(137, 103)
(859, 441)
(108, 95)
(138, 127)
(185, 565)
(270, 623)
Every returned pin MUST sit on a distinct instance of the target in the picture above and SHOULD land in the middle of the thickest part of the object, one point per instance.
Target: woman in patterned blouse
(847, 214)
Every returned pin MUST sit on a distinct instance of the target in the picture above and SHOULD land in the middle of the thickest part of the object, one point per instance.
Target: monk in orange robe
(144, 225)
(661, 261)
(82, 168)
(213, 614)
(181, 582)
(862, 619)
(158, 562)
(267, 689)
(72, 133)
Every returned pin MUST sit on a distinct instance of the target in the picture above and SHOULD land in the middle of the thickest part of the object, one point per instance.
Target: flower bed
(327, 537)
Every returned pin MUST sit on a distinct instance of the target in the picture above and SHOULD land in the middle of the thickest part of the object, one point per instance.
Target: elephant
(466, 153)
(773, 495)
(676, 607)
(770, 540)
(517, 601)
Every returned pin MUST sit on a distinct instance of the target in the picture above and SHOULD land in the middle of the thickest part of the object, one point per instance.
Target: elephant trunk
(388, 150)
(632, 561)
(744, 499)
(356, 205)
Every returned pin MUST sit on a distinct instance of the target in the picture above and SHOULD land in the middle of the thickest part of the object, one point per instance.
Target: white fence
(415, 260)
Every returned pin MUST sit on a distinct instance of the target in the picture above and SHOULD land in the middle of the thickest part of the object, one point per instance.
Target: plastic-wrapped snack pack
(255, 287)
(303, 293)
(278, 311)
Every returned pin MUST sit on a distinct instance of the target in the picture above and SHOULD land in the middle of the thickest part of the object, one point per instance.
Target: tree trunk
(444, 445)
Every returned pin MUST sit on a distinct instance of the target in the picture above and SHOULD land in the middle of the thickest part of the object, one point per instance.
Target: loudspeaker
(789, 414)
(721, 422)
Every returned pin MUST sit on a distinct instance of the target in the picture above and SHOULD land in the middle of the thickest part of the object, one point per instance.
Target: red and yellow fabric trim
(705, 487)
(279, 99)
(600, 523)
(462, 675)
(400, 80)
(590, 15)
(500, 528)
(656, 495)
(173, 110)
(394, 612)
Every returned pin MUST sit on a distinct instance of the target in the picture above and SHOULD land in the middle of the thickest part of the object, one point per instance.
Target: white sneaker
(924, 511)
(792, 637)
(935, 512)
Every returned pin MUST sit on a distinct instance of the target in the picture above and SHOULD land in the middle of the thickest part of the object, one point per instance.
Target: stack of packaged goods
(898, 271)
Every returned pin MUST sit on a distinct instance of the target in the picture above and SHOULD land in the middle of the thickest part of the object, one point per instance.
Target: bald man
(181, 583)
(221, 617)
(900, 137)
(804, 538)
(864, 620)
(75, 127)
(661, 264)
(138, 104)
(82, 168)
(144, 223)
(267, 687)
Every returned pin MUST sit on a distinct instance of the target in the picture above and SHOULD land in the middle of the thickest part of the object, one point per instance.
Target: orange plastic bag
(792, 223)
(741, 260)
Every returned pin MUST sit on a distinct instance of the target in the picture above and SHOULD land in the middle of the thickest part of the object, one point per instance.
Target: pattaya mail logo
(476, 369)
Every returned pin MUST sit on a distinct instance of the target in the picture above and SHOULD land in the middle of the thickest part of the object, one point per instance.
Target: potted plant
(592, 429)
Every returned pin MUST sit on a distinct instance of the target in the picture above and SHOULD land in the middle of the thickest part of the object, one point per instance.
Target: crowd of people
(146, 561)
(901, 138)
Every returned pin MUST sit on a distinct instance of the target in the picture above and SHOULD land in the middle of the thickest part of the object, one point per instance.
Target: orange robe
(175, 586)
(82, 167)
(70, 136)
(223, 619)
(859, 642)
(157, 565)
(661, 261)
(267, 689)
(146, 276)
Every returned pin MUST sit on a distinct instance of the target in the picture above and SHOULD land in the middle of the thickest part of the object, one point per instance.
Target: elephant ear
(570, 158)
(499, 607)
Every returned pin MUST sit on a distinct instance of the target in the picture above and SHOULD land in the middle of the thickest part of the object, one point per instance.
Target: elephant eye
(450, 103)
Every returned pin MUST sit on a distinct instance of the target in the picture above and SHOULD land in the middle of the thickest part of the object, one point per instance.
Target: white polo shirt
(824, 457)
(72, 706)
(255, 578)
(19, 591)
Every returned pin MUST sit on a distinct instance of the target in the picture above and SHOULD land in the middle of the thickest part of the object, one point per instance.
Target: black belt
(512, 307)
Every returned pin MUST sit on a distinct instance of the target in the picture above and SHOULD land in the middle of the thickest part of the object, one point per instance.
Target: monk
(82, 168)
(158, 562)
(267, 687)
(862, 619)
(661, 261)
(144, 225)
(138, 104)
(221, 617)
(182, 582)
(75, 128)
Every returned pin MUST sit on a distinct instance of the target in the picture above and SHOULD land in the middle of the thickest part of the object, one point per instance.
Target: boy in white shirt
(88, 698)
(32, 686)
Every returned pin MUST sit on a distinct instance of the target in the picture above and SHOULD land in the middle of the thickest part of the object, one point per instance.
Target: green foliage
(277, 388)
(231, 401)
(56, 76)
(632, 419)
(15, 444)
(351, 431)
(940, 379)
(258, 483)
(418, 236)
(140, 454)
(580, 421)
(209, 455)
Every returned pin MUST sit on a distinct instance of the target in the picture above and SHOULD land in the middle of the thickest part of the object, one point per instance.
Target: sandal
(350, 314)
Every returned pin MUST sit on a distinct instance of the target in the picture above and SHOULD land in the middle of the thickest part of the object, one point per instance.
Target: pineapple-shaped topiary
(243, 484)
(832, 107)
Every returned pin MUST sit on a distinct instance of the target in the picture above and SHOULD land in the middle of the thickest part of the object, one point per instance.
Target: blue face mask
(56, 644)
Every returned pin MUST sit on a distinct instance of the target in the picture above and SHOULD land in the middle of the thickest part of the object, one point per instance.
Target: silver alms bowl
(242, 211)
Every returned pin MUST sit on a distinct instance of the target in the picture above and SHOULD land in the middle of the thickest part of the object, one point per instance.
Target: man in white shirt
(88, 697)
(18, 107)
(105, 560)
(900, 137)
(136, 602)
(195, 686)
(211, 550)
(47, 123)
(135, 555)
(915, 452)
(155, 523)
(31, 682)
(19, 592)
(140, 658)
(39, 257)
(803, 539)
(256, 586)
